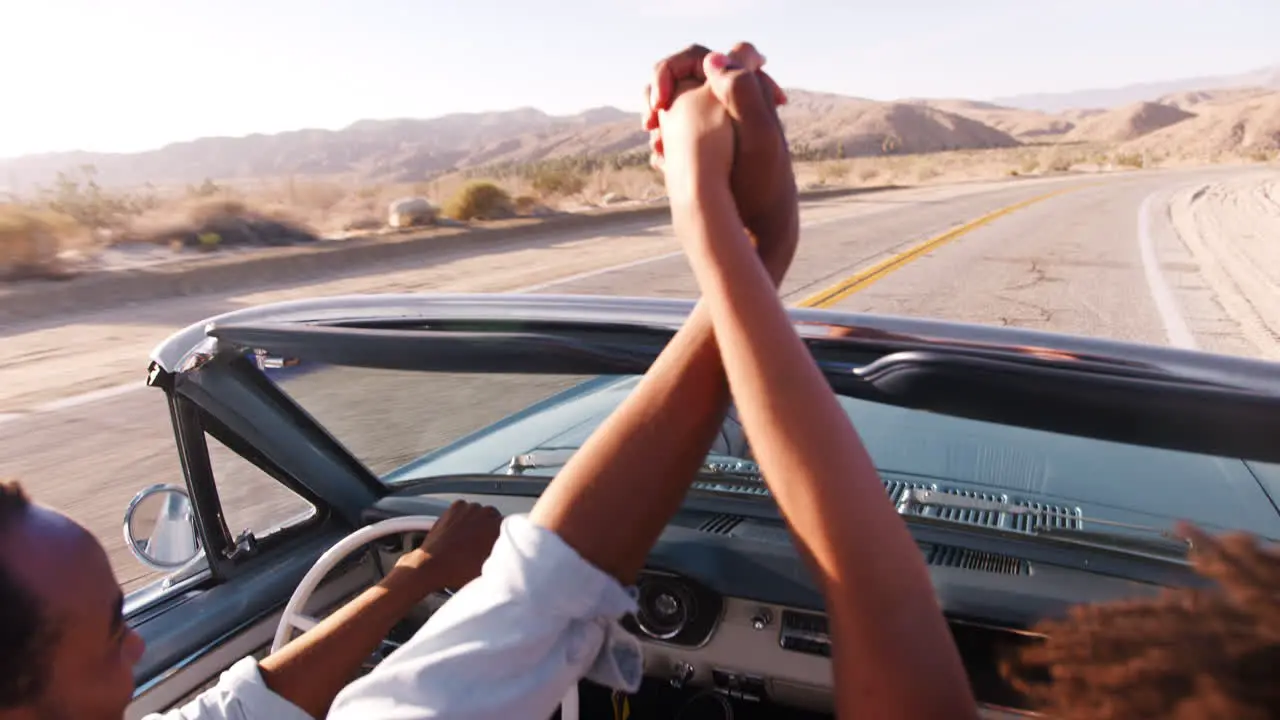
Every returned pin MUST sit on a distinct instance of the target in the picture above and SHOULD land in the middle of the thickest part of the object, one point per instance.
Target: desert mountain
(1126, 123)
(1248, 124)
(1215, 112)
(409, 150)
(1020, 123)
(1268, 77)
(406, 149)
(860, 127)
(1193, 100)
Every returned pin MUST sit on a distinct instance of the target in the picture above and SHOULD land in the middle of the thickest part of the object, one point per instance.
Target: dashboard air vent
(720, 524)
(966, 559)
(1045, 516)
(806, 633)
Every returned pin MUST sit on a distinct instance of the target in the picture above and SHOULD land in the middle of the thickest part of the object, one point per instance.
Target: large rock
(411, 212)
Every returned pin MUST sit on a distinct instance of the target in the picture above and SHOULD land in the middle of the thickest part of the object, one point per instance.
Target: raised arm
(612, 499)
(886, 626)
(544, 611)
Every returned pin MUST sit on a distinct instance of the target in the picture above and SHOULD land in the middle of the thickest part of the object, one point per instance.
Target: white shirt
(508, 645)
(241, 694)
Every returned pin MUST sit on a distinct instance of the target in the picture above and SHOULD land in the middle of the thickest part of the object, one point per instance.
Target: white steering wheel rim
(293, 617)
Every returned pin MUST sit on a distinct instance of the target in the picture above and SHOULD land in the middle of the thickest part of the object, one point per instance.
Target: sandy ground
(1232, 228)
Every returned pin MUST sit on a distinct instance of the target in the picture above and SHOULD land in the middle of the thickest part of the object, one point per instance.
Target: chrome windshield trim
(148, 596)
(670, 313)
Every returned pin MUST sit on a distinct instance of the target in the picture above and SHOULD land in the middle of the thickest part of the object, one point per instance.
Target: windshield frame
(1088, 397)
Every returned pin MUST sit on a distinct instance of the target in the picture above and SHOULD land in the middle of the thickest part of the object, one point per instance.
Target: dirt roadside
(47, 360)
(1231, 228)
(203, 274)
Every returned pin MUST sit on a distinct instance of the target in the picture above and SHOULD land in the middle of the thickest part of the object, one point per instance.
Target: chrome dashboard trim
(998, 628)
(1008, 711)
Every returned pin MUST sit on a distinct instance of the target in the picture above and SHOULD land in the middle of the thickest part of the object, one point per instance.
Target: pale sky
(128, 75)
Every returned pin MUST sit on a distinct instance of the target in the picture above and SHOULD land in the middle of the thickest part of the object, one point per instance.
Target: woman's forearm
(312, 669)
(656, 439)
(883, 609)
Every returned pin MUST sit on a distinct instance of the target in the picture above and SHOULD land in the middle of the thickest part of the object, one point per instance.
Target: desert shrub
(207, 189)
(554, 182)
(30, 240)
(834, 172)
(80, 198)
(479, 200)
(216, 224)
(927, 172)
(1133, 160)
(313, 194)
(1061, 163)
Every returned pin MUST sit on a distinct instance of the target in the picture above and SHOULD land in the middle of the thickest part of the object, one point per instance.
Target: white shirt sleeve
(241, 694)
(510, 643)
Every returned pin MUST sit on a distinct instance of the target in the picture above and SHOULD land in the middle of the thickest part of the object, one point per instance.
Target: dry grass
(480, 200)
(970, 165)
(40, 232)
(32, 241)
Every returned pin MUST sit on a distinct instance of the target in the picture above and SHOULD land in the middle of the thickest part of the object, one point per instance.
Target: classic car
(1036, 471)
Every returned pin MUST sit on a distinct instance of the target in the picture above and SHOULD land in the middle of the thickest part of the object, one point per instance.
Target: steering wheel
(294, 618)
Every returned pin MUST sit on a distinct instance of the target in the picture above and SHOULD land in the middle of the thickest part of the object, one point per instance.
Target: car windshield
(407, 426)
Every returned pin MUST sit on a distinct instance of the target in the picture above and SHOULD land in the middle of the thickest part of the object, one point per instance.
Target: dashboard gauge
(665, 607)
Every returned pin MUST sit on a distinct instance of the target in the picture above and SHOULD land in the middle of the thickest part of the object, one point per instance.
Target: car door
(269, 493)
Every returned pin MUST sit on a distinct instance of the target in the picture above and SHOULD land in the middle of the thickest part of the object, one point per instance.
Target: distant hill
(1190, 100)
(404, 149)
(1018, 122)
(1206, 112)
(1127, 123)
(410, 150)
(1248, 124)
(867, 127)
(1268, 77)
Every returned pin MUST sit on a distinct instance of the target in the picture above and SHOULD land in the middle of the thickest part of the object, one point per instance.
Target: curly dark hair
(25, 631)
(1188, 653)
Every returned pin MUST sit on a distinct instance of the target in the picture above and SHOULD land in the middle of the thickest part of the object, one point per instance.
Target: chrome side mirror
(159, 528)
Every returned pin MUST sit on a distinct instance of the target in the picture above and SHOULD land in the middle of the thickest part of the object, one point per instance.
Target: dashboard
(763, 652)
(725, 602)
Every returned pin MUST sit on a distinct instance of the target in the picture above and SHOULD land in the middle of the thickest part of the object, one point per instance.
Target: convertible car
(1036, 471)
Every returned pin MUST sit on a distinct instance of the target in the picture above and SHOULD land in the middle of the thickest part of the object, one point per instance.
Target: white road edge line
(106, 393)
(595, 273)
(646, 261)
(1175, 327)
(74, 401)
(88, 397)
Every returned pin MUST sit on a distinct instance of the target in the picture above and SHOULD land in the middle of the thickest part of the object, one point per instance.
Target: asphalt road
(1094, 255)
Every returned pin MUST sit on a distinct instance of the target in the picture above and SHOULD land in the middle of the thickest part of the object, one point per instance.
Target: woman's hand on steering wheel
(455, 548)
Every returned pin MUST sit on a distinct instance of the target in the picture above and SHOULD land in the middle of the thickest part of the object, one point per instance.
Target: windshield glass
(406, 426)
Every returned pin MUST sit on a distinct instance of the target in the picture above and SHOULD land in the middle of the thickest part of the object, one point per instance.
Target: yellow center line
(863, 278)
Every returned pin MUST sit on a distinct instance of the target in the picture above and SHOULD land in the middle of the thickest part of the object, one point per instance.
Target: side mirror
(159, 528)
